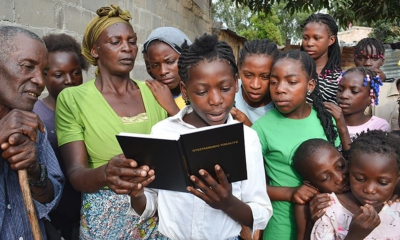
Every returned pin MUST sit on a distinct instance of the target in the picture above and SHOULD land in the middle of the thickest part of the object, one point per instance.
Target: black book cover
(175, 158)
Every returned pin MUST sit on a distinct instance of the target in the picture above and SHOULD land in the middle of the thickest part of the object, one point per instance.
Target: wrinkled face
(254, 72)
(288, 87)
(352, 96)
(328, 171)
(63, 71)
(373, 177)
(163, 61)
(317, 39)
(116, 49)
(211, 89)
(21, 74)
(372, 60)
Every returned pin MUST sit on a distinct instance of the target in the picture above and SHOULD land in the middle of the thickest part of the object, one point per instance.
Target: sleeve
(254, 189)
(151, 204)
(67, 120)
(383, 125)
(46, 156)
(323, 229)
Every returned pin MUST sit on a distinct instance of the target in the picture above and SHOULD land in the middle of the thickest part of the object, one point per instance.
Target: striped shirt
(14, 222)
(328, 86)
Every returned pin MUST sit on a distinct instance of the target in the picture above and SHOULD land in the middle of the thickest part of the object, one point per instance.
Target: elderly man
(23, 142)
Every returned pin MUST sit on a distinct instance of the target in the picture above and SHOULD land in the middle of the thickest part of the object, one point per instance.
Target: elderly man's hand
(20, 151)
(19, 121)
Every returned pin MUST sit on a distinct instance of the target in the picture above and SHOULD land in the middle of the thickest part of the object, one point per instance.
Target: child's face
(316, 39)
(64, 71)
(211, 90)
(288, 88)
(373, 177)
(371, 61)
(328, 171)
(352, 96)
(254, 73)
(163, 62)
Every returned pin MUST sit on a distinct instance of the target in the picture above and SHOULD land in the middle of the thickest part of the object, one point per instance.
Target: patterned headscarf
(106, 16)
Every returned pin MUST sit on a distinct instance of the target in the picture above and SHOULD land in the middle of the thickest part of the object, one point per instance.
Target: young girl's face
(211, 89)
(163, 61)
(254, 73)
(316, 39)
(288, 88)
(352, 96)
(328, 171)
(64, 70)
(373, 178)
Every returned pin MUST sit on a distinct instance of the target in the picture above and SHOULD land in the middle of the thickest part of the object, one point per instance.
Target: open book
(175, 158)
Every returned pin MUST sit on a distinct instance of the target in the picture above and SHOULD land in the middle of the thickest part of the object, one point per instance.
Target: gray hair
(7, 35)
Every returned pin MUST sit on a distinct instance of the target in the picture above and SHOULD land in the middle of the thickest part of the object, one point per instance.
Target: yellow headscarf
(106, 16)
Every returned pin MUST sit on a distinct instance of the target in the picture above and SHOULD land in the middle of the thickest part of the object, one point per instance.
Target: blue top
(14, 222)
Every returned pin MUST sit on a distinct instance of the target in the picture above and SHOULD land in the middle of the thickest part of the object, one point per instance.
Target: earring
(187, 102)
(309, 92)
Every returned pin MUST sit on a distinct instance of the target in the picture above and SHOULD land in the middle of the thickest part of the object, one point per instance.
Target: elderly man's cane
(30, 208)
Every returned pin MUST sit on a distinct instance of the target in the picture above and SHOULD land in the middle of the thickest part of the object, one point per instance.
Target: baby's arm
(302, 217)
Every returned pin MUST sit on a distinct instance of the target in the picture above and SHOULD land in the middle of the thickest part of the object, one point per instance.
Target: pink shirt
(375, 123)
(334, 224)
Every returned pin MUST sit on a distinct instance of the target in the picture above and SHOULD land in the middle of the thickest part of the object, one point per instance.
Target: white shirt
(251, 112)
(183, 216)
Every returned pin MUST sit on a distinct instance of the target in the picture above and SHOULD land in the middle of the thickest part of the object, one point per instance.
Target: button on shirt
(185, 216)
(14, 223)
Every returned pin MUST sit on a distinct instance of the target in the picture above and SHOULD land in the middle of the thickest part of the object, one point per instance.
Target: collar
(393, 89)
(188, 109)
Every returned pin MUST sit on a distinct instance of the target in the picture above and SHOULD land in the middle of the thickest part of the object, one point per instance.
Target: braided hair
(376, 141)
(258, 46)
(308, 66)
(208, 48)
(371, 79)
(334, 59)
(366, 45)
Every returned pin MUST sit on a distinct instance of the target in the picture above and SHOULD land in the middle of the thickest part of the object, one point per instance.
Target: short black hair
(376, 141)
(206, 47)
(65, 43)
(258, 46)
(303, 153)
(7, 43)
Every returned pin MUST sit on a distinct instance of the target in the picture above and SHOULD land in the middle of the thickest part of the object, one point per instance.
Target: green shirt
(280, 137)
(82, 114)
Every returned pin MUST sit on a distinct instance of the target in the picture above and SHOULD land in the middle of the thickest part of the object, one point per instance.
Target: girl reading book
(215, 209)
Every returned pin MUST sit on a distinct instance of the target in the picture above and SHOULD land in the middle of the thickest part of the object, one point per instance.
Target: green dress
(280, 137)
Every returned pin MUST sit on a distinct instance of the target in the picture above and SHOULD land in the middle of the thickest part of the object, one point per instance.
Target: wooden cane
(30, 208)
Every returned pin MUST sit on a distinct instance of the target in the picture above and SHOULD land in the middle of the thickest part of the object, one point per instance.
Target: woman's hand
(241, 117)
(217, 194)
(124, 176)
(363, 223)
(163, 95)
(303, 194)
(318, 204)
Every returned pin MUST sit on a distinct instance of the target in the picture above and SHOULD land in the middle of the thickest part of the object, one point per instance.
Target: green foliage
(235, 18)
(263, 25)
(289, 25)
(386, 32)
(345, 11)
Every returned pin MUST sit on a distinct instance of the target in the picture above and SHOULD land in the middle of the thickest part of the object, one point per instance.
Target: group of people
(322, 153)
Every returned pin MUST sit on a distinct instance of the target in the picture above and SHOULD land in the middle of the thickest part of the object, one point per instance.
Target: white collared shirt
(185, 216)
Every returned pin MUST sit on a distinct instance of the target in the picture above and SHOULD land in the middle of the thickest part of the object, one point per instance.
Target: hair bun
(205, 44)
(113, 11)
